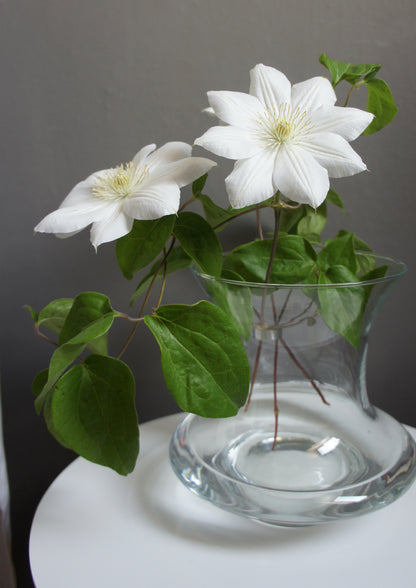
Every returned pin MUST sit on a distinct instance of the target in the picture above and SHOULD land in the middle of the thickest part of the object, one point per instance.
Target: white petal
(180, 172)
(66, 235)
(144, 152)
(82, 192)
(312, 94)
(210, 112)
(114, 226)
(270, 86)
(72, 219)
(299, 177)
(236, 108)
(153, 202)
(347, 122)
(188, 170)
(335, 154)
(250, 182)
(231, 142)
(168, 153)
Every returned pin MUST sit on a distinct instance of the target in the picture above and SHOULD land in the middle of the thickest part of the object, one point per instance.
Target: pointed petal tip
(264, 68)
(209, 111)
(143, 153)
(40, 227)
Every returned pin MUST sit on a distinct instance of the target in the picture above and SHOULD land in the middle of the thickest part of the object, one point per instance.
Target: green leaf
(53, 316)
(88, 320)
(305, 220)
(341, 70)
(365, 262)
(33, 313)
(290, 218)
(199, 241)
(39, 382)
(47, 415)
(143, 244)
(294, 259)
(60, 360)
(334, 198)
(313, 223)
(374, 274)
(93, 412)
(359, 244)
(342, 308)
(99, 345)
(214, 214)
(198, 185)
(203, 359)
(218, 217)
(339, 251)
(381, 103)
(90, 317)
(176, 260)
(235, 300)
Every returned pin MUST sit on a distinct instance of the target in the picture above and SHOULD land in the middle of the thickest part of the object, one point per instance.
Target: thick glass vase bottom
(328, 462)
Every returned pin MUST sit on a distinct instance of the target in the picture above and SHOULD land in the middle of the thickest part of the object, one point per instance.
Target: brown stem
(129, 318)
(274, 244)
(353, 87)
(284, 306)
(162, 289)
(129, 338)
(45, 337)
(302, 369)
(271, 260)
(243, 212)
(263, 301)
(187, 203)
(291, 206)
(276, 408)
(146, 298)
(259, 227)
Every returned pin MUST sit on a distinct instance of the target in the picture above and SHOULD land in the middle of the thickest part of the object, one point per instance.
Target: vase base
(326, 463)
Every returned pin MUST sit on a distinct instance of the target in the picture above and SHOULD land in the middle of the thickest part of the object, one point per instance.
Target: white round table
(96, 529)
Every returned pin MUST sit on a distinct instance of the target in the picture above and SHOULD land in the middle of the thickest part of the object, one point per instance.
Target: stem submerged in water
(276, 319)
(263, 302)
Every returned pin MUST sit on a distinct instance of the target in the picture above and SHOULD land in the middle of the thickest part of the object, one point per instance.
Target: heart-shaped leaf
(143, 244)
(342, 308)
(92, 411)
(293, 261)
(199, 241)
(203, 359)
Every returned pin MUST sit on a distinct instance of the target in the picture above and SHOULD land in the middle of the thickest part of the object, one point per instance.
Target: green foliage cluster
(87, 396)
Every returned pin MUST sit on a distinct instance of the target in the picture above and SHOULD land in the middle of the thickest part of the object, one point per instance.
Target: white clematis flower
(286, 138)
(146, 188)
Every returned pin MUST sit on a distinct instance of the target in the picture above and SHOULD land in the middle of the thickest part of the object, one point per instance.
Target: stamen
(119, 182)
(283, 125)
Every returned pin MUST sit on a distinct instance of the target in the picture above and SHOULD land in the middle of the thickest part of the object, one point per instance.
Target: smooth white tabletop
(95, 529)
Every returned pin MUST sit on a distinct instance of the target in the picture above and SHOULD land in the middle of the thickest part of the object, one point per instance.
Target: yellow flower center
(119, 182)
(283, 125)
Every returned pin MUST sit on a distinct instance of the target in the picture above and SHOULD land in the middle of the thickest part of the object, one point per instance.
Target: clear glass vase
(308, 447)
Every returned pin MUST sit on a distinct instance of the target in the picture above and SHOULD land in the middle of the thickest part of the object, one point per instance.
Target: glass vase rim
(399, 272)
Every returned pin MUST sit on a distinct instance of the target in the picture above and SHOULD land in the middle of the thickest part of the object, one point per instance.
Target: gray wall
(86, 83)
